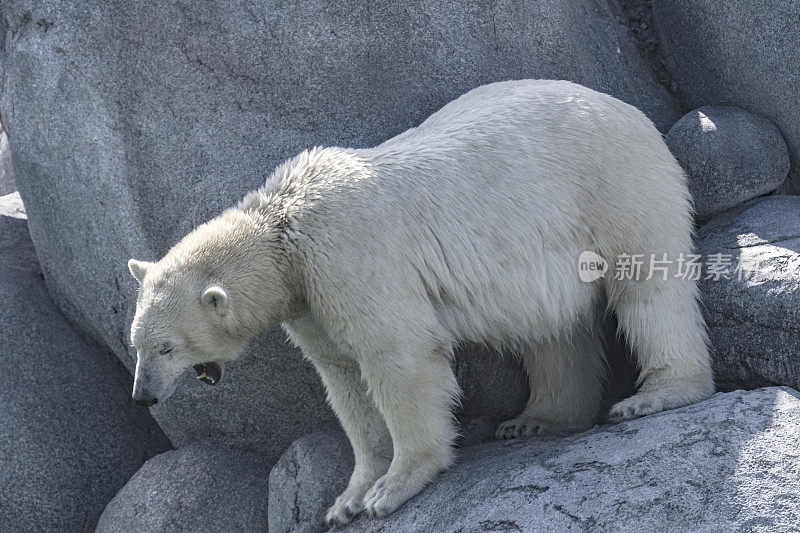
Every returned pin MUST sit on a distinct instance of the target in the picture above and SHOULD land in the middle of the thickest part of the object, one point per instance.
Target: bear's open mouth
(209, 373)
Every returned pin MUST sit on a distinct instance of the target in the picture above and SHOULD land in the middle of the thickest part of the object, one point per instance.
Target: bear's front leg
(358, 414)
(369, 437)
(415, 392)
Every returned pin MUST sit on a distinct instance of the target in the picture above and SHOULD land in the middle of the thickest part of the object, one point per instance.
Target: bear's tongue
(209, 373)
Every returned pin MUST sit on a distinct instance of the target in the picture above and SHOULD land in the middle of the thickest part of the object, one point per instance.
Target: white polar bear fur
(465, 228)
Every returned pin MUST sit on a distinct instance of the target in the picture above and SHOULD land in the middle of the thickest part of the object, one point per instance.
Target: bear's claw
(639, 404)
(390, 492)
(343, 511)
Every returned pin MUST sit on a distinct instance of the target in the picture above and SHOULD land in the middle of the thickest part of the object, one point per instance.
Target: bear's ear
(138, 269)
(216, 297)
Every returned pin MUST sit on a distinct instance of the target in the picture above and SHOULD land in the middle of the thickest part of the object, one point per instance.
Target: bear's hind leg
(664, 325)
(566, 378)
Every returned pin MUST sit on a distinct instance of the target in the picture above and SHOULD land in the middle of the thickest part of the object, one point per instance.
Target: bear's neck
(278, 293)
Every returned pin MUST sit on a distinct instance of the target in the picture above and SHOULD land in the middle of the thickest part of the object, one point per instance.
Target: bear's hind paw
(640, 404)
(525, 426)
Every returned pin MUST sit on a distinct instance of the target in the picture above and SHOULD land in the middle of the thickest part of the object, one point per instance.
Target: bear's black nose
(146, 402)
(142, 396)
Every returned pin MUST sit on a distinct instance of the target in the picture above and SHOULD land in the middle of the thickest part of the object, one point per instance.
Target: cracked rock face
(753, 317)
(730, 463)
(308, 478)
(132, 123)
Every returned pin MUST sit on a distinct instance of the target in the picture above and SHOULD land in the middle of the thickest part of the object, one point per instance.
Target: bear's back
(493, 199)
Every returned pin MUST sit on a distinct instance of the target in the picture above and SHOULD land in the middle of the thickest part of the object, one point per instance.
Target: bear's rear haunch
(468, 227)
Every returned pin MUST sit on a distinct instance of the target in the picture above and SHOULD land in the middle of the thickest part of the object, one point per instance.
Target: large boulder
(737, 54)
(726, 464)
(129, 124)
(200, 487)
(69, 435)
(729, 155)
(751, 291)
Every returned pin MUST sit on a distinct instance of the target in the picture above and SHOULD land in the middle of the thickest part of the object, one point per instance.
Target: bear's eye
(164, 350)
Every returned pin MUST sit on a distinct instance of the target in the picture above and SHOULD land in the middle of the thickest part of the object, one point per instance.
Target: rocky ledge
(731, 463)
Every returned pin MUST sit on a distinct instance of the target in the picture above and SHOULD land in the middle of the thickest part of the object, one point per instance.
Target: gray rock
(727, 464)
(736, 53)
(7, 185)
(200, 487)
(753, 314)
(306, 480)
(729, 156)
(69, 435)
(130, 124)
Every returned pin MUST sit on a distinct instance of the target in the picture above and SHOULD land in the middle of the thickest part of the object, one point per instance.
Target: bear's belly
(521, 297)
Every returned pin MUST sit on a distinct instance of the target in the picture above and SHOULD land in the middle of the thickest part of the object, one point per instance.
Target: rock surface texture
(200, 487)
(69, 435)
(741, 54)
(729, 155)
(307, 479)
(131, 124)
(731, 463)
(753, 312)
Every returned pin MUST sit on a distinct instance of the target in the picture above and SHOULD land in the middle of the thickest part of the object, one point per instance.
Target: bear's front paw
(346, 507)
(388, 493)
(525, 426)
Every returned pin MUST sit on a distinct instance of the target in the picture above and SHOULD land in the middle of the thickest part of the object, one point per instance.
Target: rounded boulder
(200, 487)
(729, 156)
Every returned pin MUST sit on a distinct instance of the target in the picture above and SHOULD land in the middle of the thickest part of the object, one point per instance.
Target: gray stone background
(126, 124)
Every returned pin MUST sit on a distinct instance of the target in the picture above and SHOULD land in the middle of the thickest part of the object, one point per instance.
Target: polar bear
(468, 227)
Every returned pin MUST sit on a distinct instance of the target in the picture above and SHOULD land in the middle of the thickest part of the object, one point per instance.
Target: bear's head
(200, 304)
